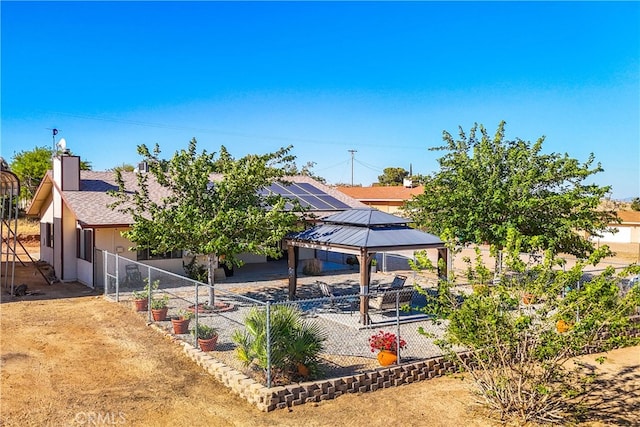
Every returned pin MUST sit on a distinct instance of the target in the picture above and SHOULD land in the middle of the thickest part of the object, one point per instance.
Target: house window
(146, 254)
(46, 233)
(84, 244)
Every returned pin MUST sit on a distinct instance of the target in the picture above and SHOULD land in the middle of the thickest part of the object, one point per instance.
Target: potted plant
(374, 265)
(181, 322)
(387, 344)
(207, 337)
(141, 298)
(159, 308)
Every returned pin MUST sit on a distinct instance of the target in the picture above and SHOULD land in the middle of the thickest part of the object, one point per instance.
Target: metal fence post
(398, 325)
(117, 267)
(268, 309)
(149, 294)
(196, 311)
(105, 272)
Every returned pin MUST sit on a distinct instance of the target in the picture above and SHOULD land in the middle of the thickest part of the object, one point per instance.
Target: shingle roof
(399, 193)
(90, 204)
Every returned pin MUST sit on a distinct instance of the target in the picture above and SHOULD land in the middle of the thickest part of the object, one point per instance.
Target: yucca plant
(295, 342)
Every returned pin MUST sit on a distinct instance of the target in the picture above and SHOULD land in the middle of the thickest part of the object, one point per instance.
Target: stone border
(280, 397)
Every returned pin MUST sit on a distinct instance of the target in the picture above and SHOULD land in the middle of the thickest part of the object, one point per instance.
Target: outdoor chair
(328, 291)
(386, 298)
(133, 276)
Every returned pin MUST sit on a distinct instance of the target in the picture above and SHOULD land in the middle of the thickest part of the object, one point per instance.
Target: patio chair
(386, 299)
(329, 291)
(133, 276)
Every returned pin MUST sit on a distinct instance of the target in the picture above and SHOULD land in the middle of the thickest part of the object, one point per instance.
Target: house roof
(90, 204)
(382, 193)
(629, 217)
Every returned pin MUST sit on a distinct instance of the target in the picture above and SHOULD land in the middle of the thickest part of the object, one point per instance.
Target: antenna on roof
(54, 132)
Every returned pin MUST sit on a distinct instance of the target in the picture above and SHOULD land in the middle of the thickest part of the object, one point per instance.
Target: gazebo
(362, 233)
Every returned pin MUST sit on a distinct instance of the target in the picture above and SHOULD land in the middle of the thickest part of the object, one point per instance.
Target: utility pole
(352, 153)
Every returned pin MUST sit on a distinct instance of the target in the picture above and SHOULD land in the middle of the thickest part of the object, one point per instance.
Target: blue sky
(382, 78)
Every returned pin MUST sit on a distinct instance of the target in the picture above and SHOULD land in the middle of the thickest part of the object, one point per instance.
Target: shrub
(294, 341)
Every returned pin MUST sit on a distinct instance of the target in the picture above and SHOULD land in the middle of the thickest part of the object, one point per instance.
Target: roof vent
(143, 167)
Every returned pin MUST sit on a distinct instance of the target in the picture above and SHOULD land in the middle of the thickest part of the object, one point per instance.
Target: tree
(227, 216)
(635, 204)
(517, 355)
(487, 185)
(124, 167)
(392, 176)
(31, 166)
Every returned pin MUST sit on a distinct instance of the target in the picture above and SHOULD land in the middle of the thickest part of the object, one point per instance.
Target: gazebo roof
(365, 229)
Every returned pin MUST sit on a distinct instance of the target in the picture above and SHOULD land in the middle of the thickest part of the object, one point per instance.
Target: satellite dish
(62, 144)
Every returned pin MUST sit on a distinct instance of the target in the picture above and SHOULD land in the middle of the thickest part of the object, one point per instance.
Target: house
(387, 199)
(628, 231)
(76, 222)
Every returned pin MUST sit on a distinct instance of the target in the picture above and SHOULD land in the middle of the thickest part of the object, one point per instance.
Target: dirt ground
(69, 357)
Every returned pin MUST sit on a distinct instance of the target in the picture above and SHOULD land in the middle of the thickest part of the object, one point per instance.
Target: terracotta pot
(208, 344)
(562, 326)
(386, 357)
(141, 304)
(528, 298)
(303, 370)
(180, 325)
(159, 314)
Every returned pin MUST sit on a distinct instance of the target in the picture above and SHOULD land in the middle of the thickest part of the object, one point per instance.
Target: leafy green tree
(635, 204)
(228, 215)
(518, 354)
(124, 167)
(487, 185)
(392, 176)
(31, 166)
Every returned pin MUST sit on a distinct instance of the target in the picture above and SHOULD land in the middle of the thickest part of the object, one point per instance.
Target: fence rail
(346, 349)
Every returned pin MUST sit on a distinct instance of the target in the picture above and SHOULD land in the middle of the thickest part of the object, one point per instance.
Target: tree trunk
(212, 264)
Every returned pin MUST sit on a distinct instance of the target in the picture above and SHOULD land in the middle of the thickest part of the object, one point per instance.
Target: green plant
(516, 356)
(195, 270)
(159, 303)
(185, 314)
(144, 293)
(294, 341)
(204, 332)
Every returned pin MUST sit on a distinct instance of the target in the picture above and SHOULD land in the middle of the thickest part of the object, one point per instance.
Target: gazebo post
(292, 262)
(364, 260)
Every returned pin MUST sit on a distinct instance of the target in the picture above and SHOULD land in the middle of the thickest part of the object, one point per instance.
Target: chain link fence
(346, 348)
(345, 326)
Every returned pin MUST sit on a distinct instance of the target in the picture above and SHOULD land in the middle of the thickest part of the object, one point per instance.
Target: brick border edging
(280, 397)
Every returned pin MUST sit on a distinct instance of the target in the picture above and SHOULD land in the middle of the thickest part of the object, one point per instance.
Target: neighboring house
(75, 219)
(627, 232)
(386, 199)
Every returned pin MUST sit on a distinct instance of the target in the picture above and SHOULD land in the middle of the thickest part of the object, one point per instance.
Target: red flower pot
(180, 325)
(386, 357)
(159, 314)
(141, 304)
(208, 344)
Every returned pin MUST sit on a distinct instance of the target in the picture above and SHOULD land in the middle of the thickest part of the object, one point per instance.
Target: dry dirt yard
(69, 357)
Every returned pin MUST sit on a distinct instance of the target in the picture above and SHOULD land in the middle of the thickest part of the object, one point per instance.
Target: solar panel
(308, 195)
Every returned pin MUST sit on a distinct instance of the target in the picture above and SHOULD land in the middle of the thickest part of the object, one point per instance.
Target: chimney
(66, 172)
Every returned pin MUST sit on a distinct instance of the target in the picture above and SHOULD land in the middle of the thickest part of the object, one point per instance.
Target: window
(146, 254)
(46, 231)
(84, 244)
